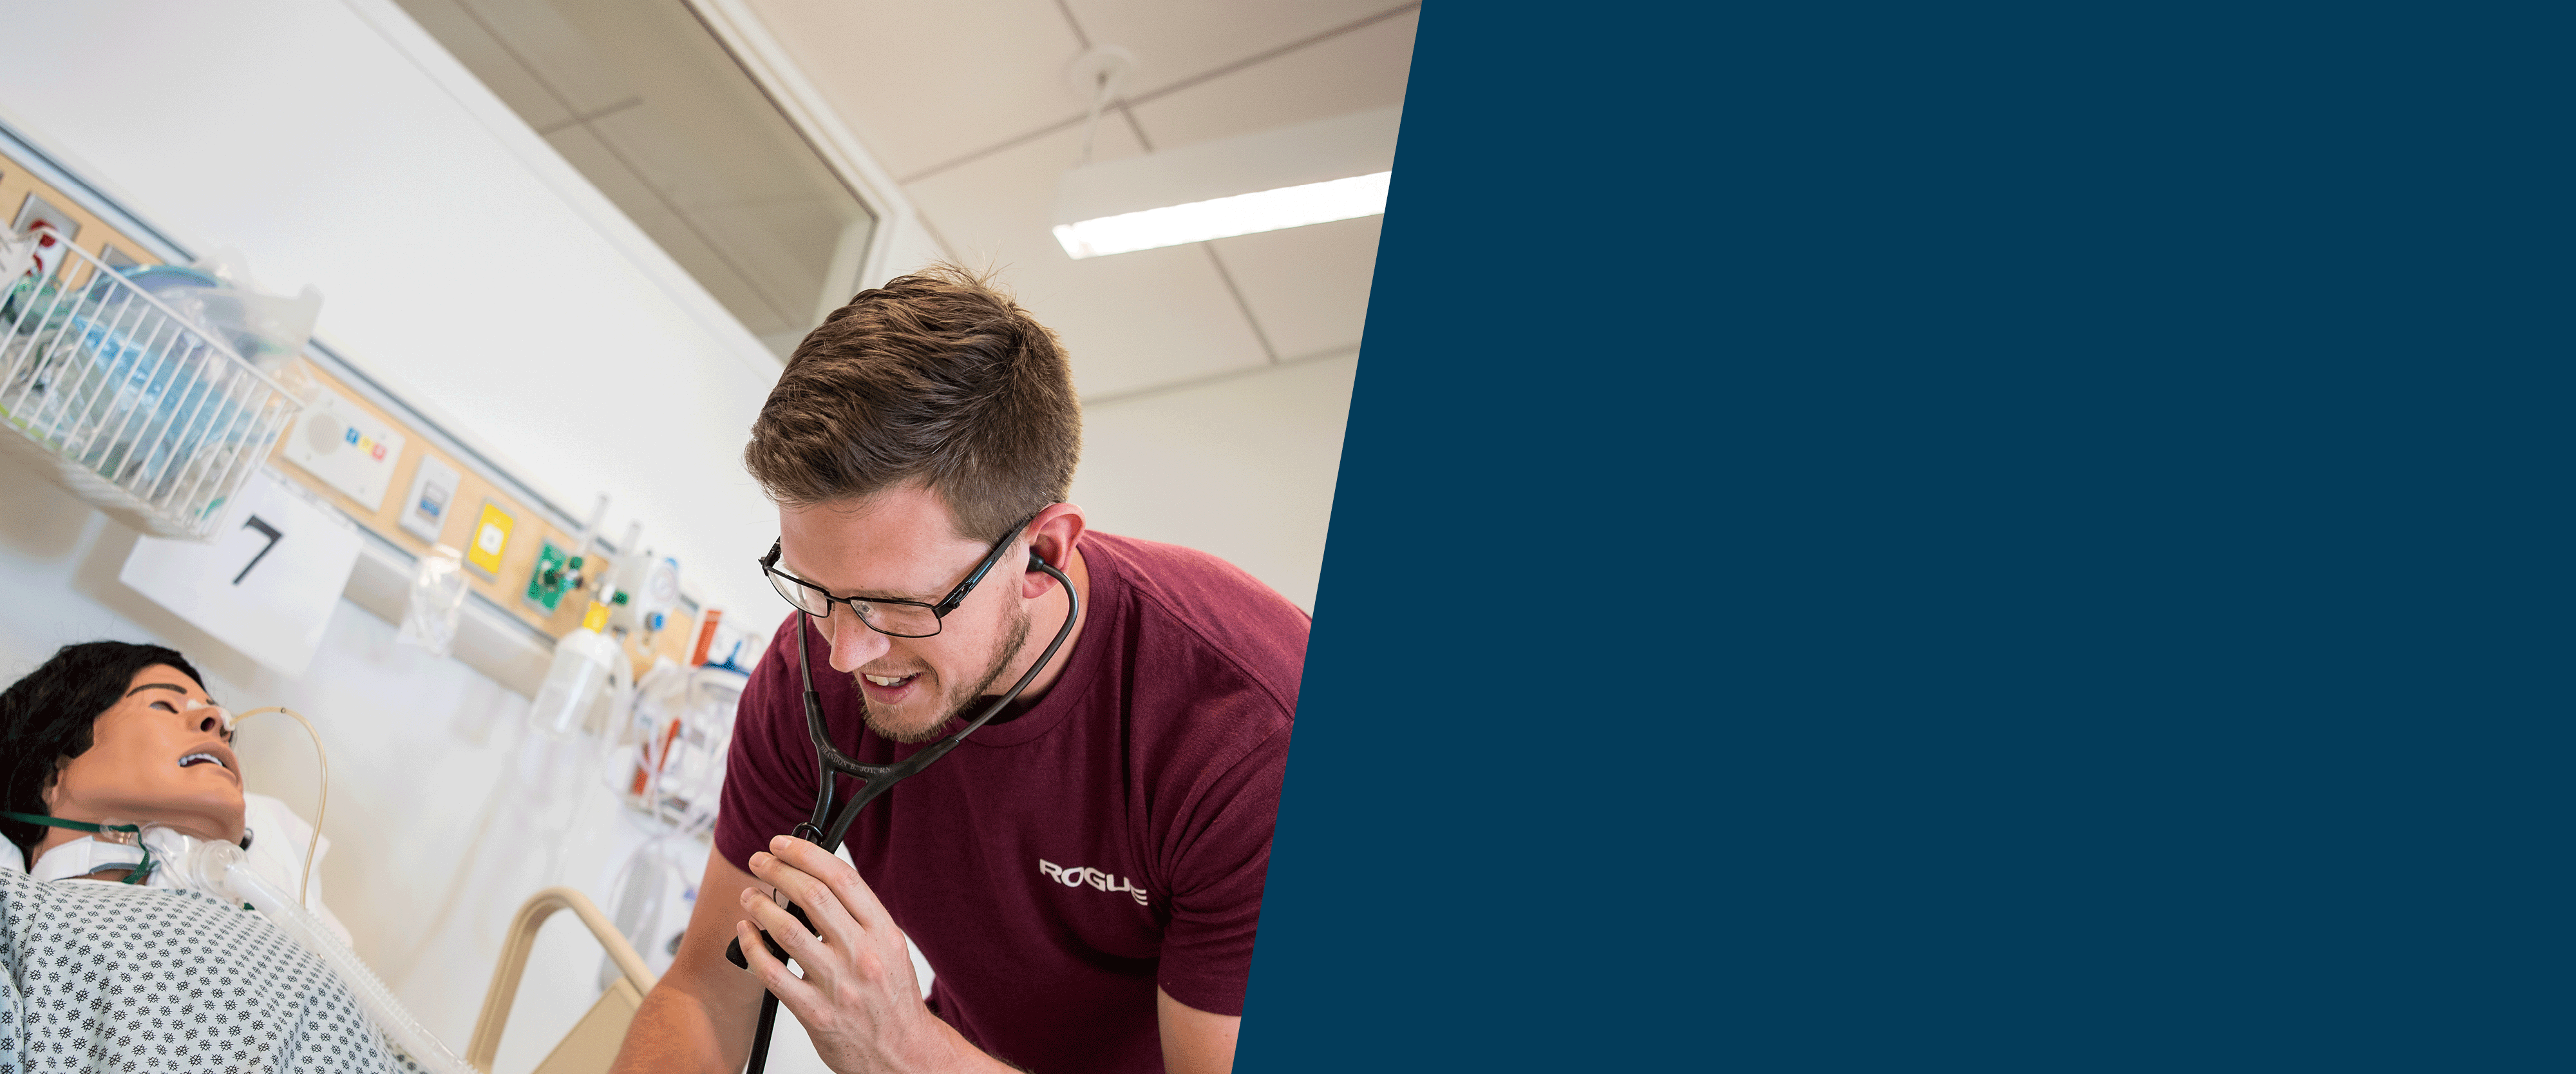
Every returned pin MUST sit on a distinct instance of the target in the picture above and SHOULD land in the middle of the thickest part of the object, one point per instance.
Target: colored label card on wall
(351, 450)
(491, 535)
(267, 583)
(433, 491)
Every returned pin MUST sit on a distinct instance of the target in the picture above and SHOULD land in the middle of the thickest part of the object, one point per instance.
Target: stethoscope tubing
(879, 778)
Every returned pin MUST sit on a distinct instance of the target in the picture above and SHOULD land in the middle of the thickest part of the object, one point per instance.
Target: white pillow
(277, 851)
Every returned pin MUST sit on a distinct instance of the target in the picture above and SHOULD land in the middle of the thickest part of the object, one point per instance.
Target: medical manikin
(148, 907)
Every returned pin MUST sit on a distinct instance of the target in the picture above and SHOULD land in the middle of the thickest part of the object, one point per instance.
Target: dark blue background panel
(1910, 538)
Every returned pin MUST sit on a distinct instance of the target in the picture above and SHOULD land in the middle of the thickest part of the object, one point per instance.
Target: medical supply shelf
(502, 636)
(124, 401)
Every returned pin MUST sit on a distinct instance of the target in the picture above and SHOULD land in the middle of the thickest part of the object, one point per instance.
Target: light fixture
(1311, 173)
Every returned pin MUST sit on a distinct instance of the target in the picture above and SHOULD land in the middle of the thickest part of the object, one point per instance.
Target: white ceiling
(967, 105)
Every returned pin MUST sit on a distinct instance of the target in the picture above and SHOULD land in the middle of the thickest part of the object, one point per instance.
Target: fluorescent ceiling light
(1217, 218)
(1313, 173)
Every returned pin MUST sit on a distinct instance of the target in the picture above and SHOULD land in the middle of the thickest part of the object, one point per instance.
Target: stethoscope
(826, 828)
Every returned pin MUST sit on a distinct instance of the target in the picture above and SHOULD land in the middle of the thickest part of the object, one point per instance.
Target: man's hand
(858, 999)
(699, 1019)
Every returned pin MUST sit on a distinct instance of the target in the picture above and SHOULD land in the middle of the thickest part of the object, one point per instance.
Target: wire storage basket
(125, 402)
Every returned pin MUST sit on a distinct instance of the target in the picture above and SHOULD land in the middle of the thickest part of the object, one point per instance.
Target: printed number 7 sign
(274, 536)
(271, 605)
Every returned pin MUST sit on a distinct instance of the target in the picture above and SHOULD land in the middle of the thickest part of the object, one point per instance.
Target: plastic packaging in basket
(143, 408)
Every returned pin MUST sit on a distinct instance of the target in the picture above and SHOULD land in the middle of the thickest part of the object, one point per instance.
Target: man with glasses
(1083, 873)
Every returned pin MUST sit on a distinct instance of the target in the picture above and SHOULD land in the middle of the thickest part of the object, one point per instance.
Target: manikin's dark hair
(46, 717)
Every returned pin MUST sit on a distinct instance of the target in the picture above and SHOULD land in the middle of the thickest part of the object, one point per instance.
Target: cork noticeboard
(518, 558)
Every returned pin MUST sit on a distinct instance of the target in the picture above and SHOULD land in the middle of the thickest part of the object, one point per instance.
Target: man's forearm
(673, 1032)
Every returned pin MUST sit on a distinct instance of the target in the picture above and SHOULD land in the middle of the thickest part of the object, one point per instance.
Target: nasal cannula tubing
(304, 884)
(219, 868)
(298, 922)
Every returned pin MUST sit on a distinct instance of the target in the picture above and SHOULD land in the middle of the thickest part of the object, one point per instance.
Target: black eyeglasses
(890, 617)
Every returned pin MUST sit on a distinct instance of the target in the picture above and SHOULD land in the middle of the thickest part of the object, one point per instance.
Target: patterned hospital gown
(105, 977)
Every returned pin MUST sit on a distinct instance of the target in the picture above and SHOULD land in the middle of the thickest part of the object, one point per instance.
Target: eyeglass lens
(903, 620)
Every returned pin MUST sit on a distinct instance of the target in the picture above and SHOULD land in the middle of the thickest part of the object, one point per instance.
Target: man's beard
(959, 704)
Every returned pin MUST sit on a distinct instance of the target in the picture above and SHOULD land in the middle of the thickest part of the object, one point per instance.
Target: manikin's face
(901, 545)
(153, 761)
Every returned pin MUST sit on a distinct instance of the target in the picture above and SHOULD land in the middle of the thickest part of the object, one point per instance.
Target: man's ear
(1053, 537)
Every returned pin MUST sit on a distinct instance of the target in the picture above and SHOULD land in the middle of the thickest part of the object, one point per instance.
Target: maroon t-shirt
(1055, 869)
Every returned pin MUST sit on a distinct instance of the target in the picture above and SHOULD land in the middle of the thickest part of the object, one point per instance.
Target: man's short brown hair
(936, 377)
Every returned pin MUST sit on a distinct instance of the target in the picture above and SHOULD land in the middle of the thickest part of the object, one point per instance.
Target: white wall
(461, 261)
(1242, 467)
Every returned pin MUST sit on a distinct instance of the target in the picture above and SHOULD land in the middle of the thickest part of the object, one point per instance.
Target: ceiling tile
(471, 40)
(585, 152)
(924, 84)
(664, 121)
(1173, 41)
(783, 248)
(775, 227)
(1130, 321)
(1359, 70)
(1308, 286)
(572, 70)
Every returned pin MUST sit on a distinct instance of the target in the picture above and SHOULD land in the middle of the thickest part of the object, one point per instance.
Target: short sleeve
(1220, 855)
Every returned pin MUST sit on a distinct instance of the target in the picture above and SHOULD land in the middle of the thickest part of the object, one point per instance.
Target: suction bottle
(585, 662)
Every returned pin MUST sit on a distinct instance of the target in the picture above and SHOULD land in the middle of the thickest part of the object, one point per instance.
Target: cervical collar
(81, 857)
(171, 859)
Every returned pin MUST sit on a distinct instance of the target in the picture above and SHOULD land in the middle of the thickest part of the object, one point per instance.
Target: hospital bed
(592, 1044)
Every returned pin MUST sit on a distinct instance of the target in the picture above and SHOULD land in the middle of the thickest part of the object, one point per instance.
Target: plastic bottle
(584, 660)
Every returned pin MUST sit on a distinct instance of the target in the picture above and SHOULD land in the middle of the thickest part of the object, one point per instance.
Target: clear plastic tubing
(213, 870)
